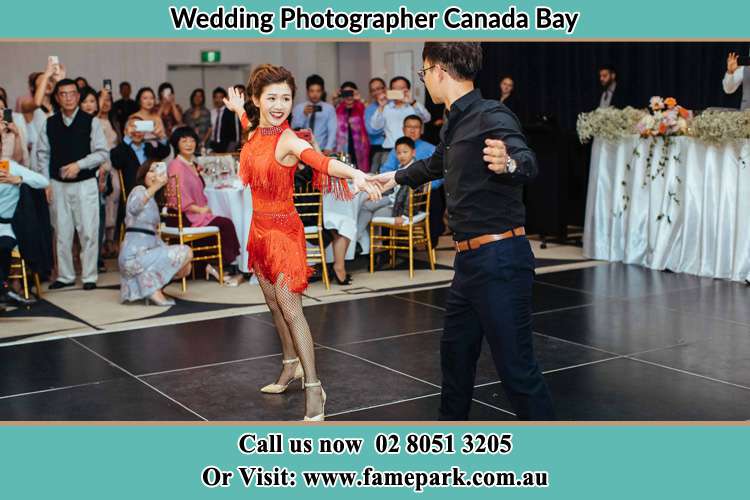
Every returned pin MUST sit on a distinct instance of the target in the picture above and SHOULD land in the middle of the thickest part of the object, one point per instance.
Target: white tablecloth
(342, 216)
(694, 219)
(235, 203)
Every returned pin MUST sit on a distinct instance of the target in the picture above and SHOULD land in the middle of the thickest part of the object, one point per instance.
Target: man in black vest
(494, 267)
(71, 148)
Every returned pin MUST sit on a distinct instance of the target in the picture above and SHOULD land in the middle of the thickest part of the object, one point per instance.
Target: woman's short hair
(350, 85)
(87, 91)
(180, 133)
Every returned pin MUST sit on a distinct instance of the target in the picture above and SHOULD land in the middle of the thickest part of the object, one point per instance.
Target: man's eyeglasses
(66, 95)
(423, 72)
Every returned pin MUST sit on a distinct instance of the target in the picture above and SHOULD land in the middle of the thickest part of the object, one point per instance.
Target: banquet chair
(22, 273)
(406, 236)
(173, 230)
(309, 205)
(124, 198)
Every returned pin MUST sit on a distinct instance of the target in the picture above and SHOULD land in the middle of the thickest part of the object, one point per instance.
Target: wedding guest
(391, 113)
(147, 264)
(71, 148)
(351, 137)
(108, 119)
(376, 135)
(25, 103)
(45, 107)
(81, 83)
(10, 182)
(225, 128)
(124, 106)
(610, 96)
(149, 111)
(134, 150)
(169, 111)
(413, 129)
(507, 95)
(14, 137)
(195, 204)
(734, 78)
(317, 115)
(198, 117)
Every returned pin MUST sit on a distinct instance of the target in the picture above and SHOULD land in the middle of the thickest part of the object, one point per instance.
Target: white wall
(378, 67)
(145, 63)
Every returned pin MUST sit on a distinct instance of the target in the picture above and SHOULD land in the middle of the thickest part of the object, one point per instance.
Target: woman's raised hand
(235, 101)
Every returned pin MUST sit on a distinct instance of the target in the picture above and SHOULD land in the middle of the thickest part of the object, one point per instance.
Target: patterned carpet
(73, 311)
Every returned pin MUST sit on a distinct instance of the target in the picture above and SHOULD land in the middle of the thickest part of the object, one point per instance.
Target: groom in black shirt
(484, 159)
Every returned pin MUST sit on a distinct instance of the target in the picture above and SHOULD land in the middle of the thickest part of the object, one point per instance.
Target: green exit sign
(210, 56)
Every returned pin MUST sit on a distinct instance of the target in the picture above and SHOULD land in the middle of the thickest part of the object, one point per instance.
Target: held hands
(496, 155)
(70, 171)
(365, 184)
(235, 101)
(732, 62)
(385, 181)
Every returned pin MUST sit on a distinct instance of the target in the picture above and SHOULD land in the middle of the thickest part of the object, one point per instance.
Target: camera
(347, 93)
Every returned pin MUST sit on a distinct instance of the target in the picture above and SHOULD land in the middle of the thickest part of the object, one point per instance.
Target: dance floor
(616, 342)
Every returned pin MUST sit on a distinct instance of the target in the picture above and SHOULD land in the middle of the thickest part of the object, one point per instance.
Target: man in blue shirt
(376, 135)
(413, 128)
(317, 115)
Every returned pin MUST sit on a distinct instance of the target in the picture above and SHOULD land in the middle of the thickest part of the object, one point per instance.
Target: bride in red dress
(276, 244)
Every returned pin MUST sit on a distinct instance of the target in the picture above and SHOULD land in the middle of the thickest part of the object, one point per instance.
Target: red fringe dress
(276, 244)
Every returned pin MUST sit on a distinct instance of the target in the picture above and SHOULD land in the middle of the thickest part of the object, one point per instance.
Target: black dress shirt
(479, 201)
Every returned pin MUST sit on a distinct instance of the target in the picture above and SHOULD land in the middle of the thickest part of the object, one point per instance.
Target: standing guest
(169, 111)
(134, 150)
(351, 137)
(317, 115)
(147, 264)
(225, 131)
(14, 137)
(507, 96)
(491, 293)
(45, 107)
(195, 204)
(10, 180)
(112, 193)
(610, 95)
(198, 117)
(124, 106)
(734, 78)
(376, 135)
(391, 113)
(413, 129)
(71, 148)
(25, 103)
(149, 111)
(81, 83)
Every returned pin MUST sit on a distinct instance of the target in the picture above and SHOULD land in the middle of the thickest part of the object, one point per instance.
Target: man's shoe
(59, 284)
(89, 286)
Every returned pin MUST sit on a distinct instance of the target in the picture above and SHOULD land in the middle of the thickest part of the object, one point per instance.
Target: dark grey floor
(616, 343)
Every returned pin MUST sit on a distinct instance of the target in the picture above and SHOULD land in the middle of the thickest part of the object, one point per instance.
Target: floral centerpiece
(666, 118)
(608, 123)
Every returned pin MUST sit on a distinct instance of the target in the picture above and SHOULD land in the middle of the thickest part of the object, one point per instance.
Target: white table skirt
(703, 199)
(234, 203)
(342, 216)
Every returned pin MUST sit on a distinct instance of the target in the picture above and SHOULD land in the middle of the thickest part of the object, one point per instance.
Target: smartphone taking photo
(8, 115)
(107, 85)
(160, 168)
(395, 95)
(144, 125)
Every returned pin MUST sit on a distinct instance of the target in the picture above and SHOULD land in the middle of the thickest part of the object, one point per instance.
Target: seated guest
(413, 129)
(507, 97)
(352, 134)
(147, 264)
(134, 150)
(169, 111)
(12, 175)
(317, 115)
(195, 204)
(198, 117)
(392, 204)
(390, 114)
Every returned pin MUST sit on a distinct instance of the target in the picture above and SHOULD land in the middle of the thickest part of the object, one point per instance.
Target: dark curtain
(560, 79)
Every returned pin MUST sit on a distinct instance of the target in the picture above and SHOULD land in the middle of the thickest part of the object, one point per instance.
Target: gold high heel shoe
(322, 416)
(299, 373)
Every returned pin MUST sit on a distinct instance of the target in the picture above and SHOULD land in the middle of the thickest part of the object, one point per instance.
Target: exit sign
(210, 56)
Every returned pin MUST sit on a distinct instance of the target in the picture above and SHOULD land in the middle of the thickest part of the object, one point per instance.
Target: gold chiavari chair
(22, 273)
(309, 205)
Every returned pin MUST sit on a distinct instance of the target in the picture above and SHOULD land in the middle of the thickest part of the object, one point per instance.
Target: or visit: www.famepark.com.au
(369, 477)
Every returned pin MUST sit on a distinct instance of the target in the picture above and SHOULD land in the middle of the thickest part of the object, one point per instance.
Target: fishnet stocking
(296, 339)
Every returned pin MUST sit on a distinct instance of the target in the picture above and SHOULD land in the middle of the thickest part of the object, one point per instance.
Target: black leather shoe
(89, 286)
(59, 284)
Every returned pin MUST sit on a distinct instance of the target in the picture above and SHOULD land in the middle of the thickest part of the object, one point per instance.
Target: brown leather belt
(474, 243)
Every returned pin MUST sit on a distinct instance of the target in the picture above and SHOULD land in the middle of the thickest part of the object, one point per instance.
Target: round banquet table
(235, 203)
